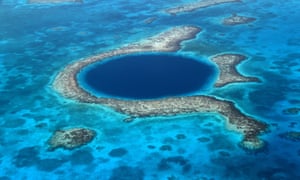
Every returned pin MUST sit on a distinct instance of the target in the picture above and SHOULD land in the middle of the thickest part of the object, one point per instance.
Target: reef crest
(197, 5)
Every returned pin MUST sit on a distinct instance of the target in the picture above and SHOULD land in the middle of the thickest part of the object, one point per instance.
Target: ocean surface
(38, 40)
(147, 76)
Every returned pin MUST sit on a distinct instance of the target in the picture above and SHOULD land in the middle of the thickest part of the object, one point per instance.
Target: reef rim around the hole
(169, 41)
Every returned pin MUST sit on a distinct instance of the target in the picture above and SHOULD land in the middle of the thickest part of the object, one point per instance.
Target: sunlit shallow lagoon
(39, 40)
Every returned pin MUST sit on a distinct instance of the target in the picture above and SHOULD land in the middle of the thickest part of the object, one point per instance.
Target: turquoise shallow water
(37, 41)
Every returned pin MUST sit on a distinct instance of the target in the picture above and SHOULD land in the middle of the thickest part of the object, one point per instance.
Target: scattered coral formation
(291, 111)
(150, 20)
(197, 5)
(71, 138)
(237, 19)
(66, 84)
(126, 173)
(291, 135)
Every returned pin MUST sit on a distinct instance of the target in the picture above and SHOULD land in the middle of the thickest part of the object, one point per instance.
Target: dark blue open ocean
(38, 40)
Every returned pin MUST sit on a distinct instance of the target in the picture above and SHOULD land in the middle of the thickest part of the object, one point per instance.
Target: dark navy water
(149, 76)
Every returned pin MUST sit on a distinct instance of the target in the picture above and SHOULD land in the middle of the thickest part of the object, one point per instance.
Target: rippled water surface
(38, 40)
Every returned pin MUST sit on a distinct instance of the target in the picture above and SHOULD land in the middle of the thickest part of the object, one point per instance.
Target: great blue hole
(147, 76)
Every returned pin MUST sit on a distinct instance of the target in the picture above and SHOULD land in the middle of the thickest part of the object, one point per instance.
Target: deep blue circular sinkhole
(147, 76)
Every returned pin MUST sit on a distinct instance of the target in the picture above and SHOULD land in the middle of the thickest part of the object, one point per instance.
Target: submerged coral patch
(291, 135)
(81, 157)
(203, 139)
(180, 136)
(165, 148)
(49, 164)
(127, 173)
(291, 111)
(172, 162)
(118, 152)
(27, 156)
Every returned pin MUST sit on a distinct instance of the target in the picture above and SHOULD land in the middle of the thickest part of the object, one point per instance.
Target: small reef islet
(235, 19)
(71, 138)
(227, 67)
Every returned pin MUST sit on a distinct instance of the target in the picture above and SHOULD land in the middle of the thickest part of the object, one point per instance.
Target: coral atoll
(66, 84)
